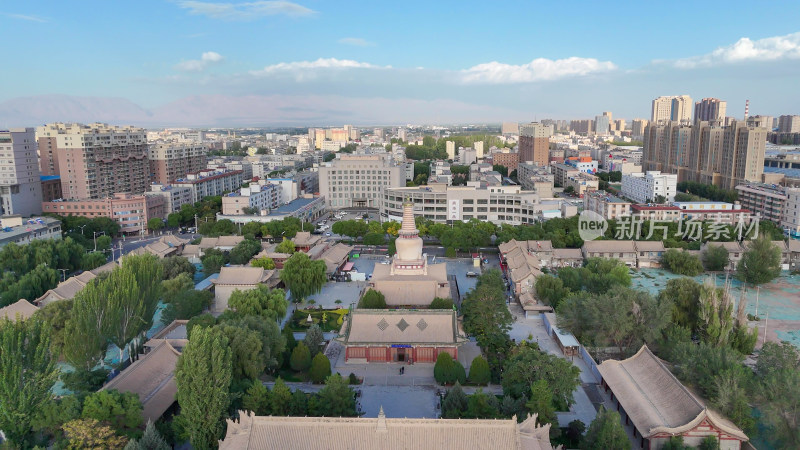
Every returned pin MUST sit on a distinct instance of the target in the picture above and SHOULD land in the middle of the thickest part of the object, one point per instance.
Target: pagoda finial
(381, 421)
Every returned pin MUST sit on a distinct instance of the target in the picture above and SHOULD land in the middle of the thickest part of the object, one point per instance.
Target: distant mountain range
(251, 110)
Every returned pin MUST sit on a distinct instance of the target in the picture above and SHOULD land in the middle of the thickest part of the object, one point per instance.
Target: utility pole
(757, 289)
(195, 223)
(766, 324)
(63, 274)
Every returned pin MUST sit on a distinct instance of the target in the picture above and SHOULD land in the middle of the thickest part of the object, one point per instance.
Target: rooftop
(293, 206)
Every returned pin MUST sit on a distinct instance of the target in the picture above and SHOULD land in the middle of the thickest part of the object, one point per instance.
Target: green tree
(125, 308)
(175, 265)
(685, 296)
(174, 286)
(49, 418)
(262, 301)
(454, 403)
(682, 262)
(203, 375)
(212, 261)
(481, 406)
(372, 299)
(675, 443)
(301, 358)
(314, 339)
(202, 321)
(264, 263)
(247, 357)
(715, 314)
(336, 399)
(27, 373)
(103, 243)
(155, 224)
(541, 402)
(123, 411)
(606, 431)
(150, 440)
(87, 327)
(244, 251)
(479, 372)
(441, 303)
(186, 305)
(760, 263)
(778, 388)
(256, 399)
(575, 431)
(298, 406)
(320, 368)
(551, 290)
(374, 239)
(92, 260)
(527, 364)
(280, 398)
(302, 276)
(709, 443)
(90, 433)
(487, 317)
(174, 220)
(286, 246)
(448, 370)
(715, 258)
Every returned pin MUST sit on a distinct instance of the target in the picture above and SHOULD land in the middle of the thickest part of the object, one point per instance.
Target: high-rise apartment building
(706, 152)
(602, 124)
(510, 128)
(319, 137)
(534, 143)
(170, 161)
(584, 126)
(710, 110)
(94, 161)
(358, 180)
(789, 124)
(450, 147)
(676, 108)
(20, 186)
(637, 127)
(478, 146)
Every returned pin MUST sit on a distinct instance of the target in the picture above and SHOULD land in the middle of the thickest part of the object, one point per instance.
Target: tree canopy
(302, 276)
(760, 263)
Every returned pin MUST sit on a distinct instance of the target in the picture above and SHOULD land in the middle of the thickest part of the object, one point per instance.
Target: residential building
(94, 161)
(791, 212)
(467, 156)
(760, 121)
(710, 110)
(442, 204)
(656, 213)
(769, 201)
(657, 406)
(509, 128)
(602, 124)
(450, 147)
(174, 196)
(255, 197)
(789, 124)
(584, 127)
(20, 185)
(534, 143)
(358, 180)
(647, 187)
(210, 182)
(536, 178)
(130, 211)
(606, 205)
(624, 251)
(23, 231)
(581, 183)
(637, 128)
(478, 146)
(51, 187)
(742, 154)
(675, 108)
(172, 160)
(509, 160)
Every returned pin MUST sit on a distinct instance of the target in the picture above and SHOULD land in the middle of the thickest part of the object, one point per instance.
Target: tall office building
(676, 108)
(94, 161)
(789, 124)
(534, 143)
(170, 161)
(20, 186)
(710, 110)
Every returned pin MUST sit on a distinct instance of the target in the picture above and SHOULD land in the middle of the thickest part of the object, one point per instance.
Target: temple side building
(409, 280)
(355, 433)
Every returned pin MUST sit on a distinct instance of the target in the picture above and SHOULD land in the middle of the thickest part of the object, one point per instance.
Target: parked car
(472, 274)
(328, 233)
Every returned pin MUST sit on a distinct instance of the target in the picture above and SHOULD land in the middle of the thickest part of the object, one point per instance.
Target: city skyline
(308, 63)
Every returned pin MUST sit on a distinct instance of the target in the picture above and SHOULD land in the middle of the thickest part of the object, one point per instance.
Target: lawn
(327, 319)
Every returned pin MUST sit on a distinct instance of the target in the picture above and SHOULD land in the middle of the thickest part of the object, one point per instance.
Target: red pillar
(388, 354)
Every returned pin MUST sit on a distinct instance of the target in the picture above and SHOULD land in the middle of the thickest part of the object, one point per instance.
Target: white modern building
(359, 180)
(210, 182)
(646, 187)
(20, 185)
(24, 231)
(256, 197)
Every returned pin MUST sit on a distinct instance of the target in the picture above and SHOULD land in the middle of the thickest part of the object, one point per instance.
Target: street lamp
(95, 238)
(63, 274)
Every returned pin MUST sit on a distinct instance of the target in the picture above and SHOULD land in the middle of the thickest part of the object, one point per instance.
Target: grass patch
(327, 319)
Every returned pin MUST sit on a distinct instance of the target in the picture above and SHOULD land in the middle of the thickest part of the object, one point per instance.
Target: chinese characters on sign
(454, 210)
(690, 229)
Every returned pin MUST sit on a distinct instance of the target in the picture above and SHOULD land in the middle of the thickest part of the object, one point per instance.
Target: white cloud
(746, 49)
(307, 69)
(245, 11)
(540, 69)
(358, 42)
(198, 65)
(28, 17)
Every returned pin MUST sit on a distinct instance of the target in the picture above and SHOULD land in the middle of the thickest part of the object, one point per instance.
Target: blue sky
(334, 61)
